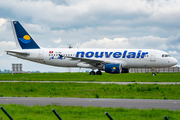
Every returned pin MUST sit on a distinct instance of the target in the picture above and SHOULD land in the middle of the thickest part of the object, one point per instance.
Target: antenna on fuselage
(70, 46)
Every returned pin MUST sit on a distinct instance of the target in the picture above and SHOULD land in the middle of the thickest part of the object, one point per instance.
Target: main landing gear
(92, 73)
(97, 73)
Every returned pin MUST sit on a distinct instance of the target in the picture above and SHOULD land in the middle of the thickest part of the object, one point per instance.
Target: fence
(158, 70)
(58, 116)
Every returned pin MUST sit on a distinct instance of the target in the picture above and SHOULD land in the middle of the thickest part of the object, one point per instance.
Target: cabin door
(153, 56)
(40, 56)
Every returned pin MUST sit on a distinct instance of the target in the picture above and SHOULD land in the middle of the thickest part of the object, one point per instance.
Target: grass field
(90, 90)
(20, 112)
(128, 77)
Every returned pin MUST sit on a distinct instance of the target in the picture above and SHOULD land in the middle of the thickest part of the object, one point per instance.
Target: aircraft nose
(174, 61)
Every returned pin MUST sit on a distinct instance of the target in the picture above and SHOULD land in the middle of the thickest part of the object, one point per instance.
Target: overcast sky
(149, 24)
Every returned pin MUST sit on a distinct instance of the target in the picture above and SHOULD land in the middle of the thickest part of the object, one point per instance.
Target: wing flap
(87, 60)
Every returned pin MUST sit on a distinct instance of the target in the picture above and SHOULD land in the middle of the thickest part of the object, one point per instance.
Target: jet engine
(112, 68)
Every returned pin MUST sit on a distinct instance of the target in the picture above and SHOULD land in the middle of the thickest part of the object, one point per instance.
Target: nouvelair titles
(124, 54)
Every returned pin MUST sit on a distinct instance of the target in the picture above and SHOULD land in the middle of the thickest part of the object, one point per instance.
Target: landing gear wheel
(92, 73)
(98, 72)
(153, 74)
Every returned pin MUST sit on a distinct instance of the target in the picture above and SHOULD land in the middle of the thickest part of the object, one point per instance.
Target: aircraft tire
(98, 72)
(92, 73)
(153, 74)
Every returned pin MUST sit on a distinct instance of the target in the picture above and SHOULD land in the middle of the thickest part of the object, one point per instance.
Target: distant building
(17, 69)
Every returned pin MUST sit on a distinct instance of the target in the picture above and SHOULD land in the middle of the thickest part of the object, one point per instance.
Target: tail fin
(22, 38)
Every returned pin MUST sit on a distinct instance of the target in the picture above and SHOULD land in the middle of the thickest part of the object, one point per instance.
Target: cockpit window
(165, 55)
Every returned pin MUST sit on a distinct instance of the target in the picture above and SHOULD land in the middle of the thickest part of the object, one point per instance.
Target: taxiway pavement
(125, 103)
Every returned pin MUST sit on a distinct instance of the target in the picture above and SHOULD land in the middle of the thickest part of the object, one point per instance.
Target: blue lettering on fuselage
(89, 54)
(99, 56)
(131, 55)
(117, 54)
(124, 54)
(107, 55)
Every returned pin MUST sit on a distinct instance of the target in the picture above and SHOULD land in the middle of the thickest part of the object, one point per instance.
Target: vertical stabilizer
(22, 38)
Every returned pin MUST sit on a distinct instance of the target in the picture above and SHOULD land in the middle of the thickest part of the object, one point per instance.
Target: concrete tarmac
(125, 103)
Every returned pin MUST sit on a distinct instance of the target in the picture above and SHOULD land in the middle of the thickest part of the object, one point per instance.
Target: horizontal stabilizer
(17, 52)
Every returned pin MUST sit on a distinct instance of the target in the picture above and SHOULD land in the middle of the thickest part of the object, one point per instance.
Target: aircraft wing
(96, 62)
(86, 60)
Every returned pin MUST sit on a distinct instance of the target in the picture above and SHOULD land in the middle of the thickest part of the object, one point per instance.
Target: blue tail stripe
(21, 32)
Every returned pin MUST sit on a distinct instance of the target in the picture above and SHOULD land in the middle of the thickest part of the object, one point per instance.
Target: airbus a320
(109, 60)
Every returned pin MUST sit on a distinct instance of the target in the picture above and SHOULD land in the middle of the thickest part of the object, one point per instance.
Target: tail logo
(26, 39)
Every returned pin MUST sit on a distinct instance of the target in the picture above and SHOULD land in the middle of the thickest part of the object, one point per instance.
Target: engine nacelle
(112, 68)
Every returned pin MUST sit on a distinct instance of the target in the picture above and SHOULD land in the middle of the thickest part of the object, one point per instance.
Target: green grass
(128, 77)
(20, 112)
(90, 90)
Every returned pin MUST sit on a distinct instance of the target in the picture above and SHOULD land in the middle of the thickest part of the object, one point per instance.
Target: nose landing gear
(153, 73)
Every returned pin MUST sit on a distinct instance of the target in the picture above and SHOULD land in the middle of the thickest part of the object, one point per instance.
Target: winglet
(22, 38)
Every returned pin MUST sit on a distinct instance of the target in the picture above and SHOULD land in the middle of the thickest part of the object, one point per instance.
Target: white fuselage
(129, 58)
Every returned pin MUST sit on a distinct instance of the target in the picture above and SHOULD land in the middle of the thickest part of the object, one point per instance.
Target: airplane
(109, 60)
